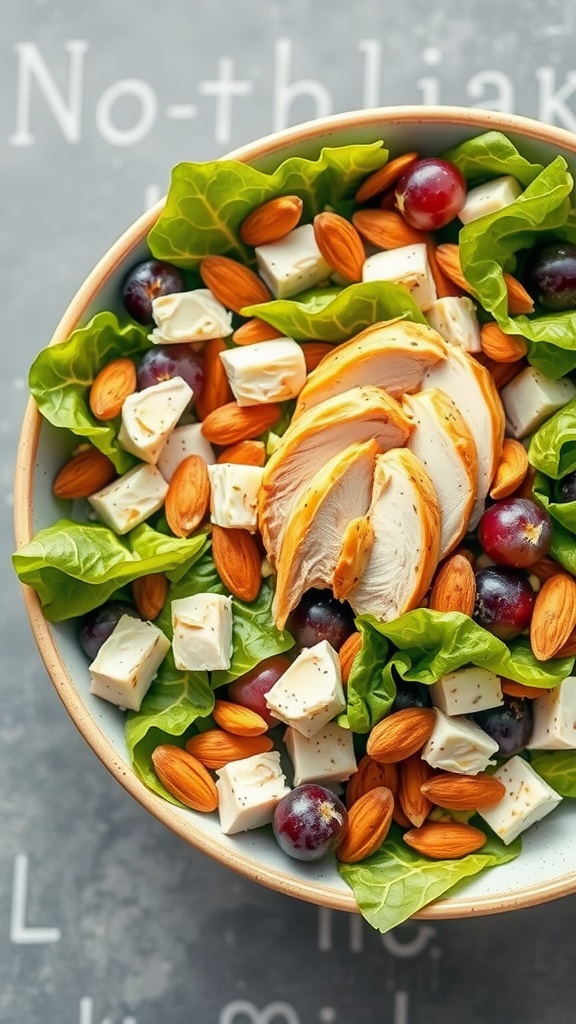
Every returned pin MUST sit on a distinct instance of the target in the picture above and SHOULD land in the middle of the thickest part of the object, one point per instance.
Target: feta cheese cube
(234, 493)
(530, 398)
(202, 632)
(528, 798)
(182, 442)
(149, 417)
(554, 726)
(458, 745)
(326, 757)
(455, 319)
(466, 690)
(309, 693)
(293, 264)
(490, 197)
(248, 791)
(189, 316)
(407, 265)
(127, 662)
(270, 371)
(129, 500)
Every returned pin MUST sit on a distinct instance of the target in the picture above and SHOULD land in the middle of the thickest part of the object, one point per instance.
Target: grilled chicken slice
(333, 506)
(474, 393)
(357, 415)
(446, 449)
(405, 517)
(393, 355)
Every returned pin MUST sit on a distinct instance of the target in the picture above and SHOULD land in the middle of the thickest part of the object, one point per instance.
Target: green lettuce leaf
(396, 881)
(557, 768)
(563, 512)
(552, 448)
(207, 202)
(369, 694)
(563, 547)
(61, 375)
(490, 155)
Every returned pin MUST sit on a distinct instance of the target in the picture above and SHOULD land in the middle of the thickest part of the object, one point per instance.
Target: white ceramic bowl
(547, 867)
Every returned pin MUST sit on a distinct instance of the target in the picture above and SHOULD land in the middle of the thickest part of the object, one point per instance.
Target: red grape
(515, 532)
(163, 362)
(309, 822)
(430, 193)
(510, 725)
(147, 281)
(504, 601)
(319, 616)
(250, 689)
(97, 625)
(550, 275)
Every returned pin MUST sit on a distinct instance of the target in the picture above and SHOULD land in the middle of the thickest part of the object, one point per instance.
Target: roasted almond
(511, 469)
(237, 719)
(400, 734)
(513, 689)
(238, 561)
(448, 256)
(215, 748)
(232, 423)
(188, 496)
(245, 453)
(85, 473)
(314, 352)
(413, 774)
(149, 594)
(111, 387)
(185, 778)
(502, 348)
(347, 654)
(370, 775)
(253, 331)
(444, 286)
(369, 821)
(545, 568)
(454, 588)
(386, 229)
(271, 221)
(568, 648)
(445, 841)
(340, 245)
(384, 177)
(233, 284)
(554, 616)
(503, 373)
(216, 390)
(463, 792)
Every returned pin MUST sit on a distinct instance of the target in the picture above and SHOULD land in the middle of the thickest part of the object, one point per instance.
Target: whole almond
(445, 841)
(568, 648)
(384, 177)
(448, 256)
(245, 453)
(340, 245)
(347, 654)
(149, 594)
(370, 775)
(463, 792)
(369, 821)
(400, 734)
(511, 469)
(216, 390)
(85, 473)
(271, 221)
(553, 617)
(513, 689)
(545, 568)
(233, 284)
(185, 778)
(454, 588)
(237, 719)
(215, 748)
(111, 387)
(188, 496)
(502, 348)
(232, 423)
(238, 561)
(314, 352)
(253, 331)
(386, 229)
(503, 373)
(413, 774)
(444, 286)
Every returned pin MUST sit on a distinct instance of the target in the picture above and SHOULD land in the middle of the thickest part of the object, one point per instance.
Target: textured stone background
(124, 924)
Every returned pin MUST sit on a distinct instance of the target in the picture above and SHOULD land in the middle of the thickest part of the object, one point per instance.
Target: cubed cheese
(458, 745)
(326, 757)
(527, 799)
(554, 713)
(309, 693)
(270, 371)
(530, 398)
(490, 197)
(407, 265)
(466, 690)
(248, 791)
(130, 499)
(127, 662)
(292, 264)
(189, 316)
(182, 442)
(234, 495)
(202, 632)
(455, 319)
(149, 417)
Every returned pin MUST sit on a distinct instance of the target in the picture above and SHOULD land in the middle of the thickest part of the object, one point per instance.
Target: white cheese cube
(489, 198)
(149, 417)
(130, 499)
(466, 690)
(458, 745)
(407, 265)
(270, 371)
(234, 495)
(455, 319)
(326, 757)
(309, 693)
(189, 316)
(182, 442)
(554, 726)
(527, 799)
(202, 632)
(127, 662)
(530, 398)
(293, 264)
(248, 791)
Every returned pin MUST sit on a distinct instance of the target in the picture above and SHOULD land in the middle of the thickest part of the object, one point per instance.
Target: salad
(318, 523)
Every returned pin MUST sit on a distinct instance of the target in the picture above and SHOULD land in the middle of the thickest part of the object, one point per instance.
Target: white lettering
(325, 936)
(67, 111)
(281, 1012)
(87, 1013)
(400, 1008)
(415, 946)
(285, 93)
(20, 934)
(504, 98)
(372, 50)
(224, 88)
(145, 96)
(430, 89)
(551, 104)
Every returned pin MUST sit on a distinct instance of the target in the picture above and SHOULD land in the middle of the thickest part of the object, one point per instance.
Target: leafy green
(489, 155)
(369, 695)
(396, 881)
(563, 512)
(61, 375)
(557, 768)
(552, 448)
(207, 202)
(563, 547)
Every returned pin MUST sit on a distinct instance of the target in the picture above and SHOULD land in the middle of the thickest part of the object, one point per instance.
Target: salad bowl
(546, 868)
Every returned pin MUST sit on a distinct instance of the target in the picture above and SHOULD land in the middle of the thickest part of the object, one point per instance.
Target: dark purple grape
(567, 488)
(504, 601)
(319, 616)
(250, 689)
(147, 281)
(515, 532)
(411, 695)
(510, 725)
(163, 362)
(309, 822)
(550, 275)
(97, 625)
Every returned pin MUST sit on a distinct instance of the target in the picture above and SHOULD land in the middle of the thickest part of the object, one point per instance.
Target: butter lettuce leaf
(369, 693)
(490, 155)
(552, 448)
(563, 512)
(557, 768)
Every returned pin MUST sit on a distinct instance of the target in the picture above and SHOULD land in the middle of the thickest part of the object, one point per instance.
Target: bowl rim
(243, 862)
